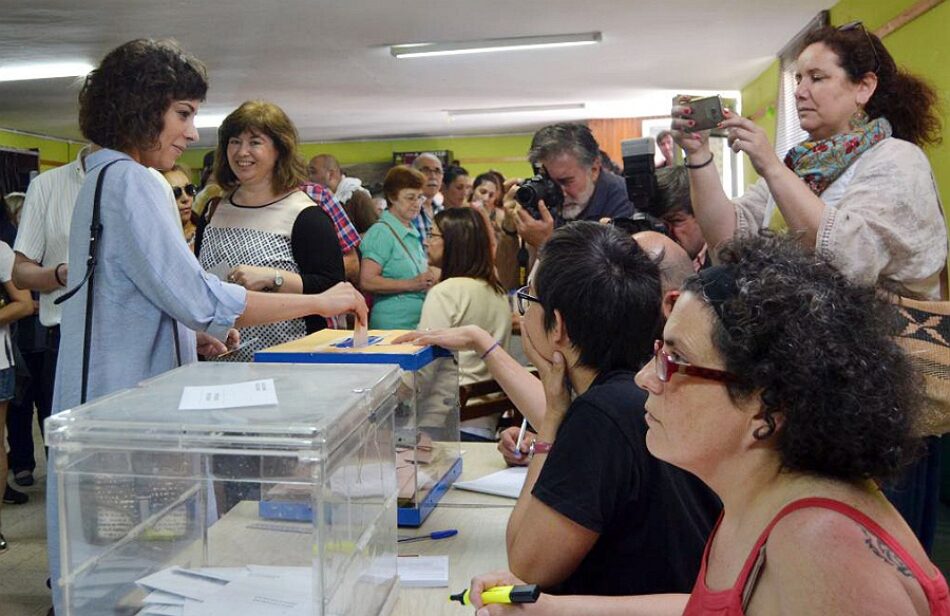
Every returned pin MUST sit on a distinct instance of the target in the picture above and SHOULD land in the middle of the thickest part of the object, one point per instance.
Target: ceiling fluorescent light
(453, 113)
(209, 120)
(423, 50)
(27, 72)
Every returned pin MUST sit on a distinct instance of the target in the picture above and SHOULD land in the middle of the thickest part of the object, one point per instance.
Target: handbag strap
(404, 247)
(203, 221)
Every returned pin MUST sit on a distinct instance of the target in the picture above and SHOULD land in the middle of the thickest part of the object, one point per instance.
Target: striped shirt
(43, 235)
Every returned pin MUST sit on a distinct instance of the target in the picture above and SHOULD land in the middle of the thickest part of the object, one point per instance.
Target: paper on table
(423, 571)
(507, 483)
(235, 395)
(163, 598)
(183, 583)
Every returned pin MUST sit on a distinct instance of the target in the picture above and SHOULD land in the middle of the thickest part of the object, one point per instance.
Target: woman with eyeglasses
(468, 293)
(859, 191)
(265, 233)
(778, 384)
(179, 178)
(395, 267)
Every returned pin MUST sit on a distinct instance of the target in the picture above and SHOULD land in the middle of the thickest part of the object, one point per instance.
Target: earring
(859, 118)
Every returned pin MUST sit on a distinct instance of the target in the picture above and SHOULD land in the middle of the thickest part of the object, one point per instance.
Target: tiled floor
(23, 570)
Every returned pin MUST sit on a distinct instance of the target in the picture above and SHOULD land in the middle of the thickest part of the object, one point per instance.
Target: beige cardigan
(884, 222)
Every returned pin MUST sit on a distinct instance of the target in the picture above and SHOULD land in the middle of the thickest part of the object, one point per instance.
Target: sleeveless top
(703, 601)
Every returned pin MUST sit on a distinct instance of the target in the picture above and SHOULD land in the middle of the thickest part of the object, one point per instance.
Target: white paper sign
(235, 395)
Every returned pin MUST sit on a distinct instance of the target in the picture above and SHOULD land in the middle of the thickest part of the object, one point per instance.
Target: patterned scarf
(820, 163)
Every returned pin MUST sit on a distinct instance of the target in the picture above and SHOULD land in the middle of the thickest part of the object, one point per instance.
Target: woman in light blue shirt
(152, 307)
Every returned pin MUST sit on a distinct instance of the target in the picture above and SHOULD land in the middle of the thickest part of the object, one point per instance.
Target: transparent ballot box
(428, 457)
(218, 500)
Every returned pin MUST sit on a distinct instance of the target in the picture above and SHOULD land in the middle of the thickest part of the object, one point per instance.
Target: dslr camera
(540, 187)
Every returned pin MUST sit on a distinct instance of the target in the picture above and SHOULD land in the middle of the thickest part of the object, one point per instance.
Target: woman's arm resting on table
(567, 605)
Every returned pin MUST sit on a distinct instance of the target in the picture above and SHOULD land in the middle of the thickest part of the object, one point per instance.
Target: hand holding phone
(707, 113)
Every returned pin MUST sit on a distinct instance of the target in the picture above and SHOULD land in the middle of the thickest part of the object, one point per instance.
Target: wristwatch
(278, 281)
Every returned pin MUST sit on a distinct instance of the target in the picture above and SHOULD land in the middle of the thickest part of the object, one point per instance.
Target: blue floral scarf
(819, 163)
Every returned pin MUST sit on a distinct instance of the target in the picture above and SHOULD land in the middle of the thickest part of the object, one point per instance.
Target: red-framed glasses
(666, 367)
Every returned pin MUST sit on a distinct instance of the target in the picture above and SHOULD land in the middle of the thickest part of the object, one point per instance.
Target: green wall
(506, 153)
(53, 152)
(920, 46)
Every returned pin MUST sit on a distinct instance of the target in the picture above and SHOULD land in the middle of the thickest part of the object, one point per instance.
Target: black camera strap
(95, 234)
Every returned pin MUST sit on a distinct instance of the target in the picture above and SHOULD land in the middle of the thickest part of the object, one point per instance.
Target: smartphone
(707, 113)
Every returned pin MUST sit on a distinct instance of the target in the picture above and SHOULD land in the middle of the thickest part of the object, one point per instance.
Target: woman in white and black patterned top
(266, 233)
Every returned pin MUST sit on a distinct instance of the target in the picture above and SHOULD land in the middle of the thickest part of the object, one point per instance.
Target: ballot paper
(234, 395)
(221, 270)
(507, 483)
(257, 590)
(360, 336)
(423, 571)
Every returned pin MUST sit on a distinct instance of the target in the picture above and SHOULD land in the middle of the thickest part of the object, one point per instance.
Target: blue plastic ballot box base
(413, 517)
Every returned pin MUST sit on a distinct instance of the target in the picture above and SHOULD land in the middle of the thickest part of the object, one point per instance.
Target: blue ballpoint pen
(439, 534)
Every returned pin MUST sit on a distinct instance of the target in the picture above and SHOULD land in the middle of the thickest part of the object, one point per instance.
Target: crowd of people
(723, 421)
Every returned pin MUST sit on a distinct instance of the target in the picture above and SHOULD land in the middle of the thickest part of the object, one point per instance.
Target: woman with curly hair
(777, 383)
(859, 190)
(149, 306)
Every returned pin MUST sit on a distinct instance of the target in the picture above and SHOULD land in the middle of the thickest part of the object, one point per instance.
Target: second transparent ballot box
(227, 487)
(428, 455)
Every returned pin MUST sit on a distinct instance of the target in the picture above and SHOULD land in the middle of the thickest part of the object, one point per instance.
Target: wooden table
(479, 547)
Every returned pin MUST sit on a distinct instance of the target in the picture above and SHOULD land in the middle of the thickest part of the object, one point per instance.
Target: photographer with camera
(571, 184)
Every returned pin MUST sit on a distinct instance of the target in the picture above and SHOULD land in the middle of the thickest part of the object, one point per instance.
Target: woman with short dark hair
(152, 306)
(468, 293)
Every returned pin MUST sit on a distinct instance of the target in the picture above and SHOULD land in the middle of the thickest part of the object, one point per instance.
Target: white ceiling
(327, 63)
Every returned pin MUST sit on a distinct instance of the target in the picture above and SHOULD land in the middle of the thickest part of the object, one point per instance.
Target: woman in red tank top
(777, 383)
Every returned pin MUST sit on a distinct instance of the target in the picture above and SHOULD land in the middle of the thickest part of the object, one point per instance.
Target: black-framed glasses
(666, 367)
(854, 25)
(523, 297)
(187, 189)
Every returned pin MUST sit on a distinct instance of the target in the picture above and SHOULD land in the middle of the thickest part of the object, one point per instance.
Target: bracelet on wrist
(59, 280)
(490, 349)
(700, 165)
(538, 447)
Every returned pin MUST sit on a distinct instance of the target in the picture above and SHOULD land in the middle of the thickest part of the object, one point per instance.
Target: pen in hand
(524, 426)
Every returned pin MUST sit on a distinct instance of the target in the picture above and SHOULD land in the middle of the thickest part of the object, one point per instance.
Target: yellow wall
(53, 152)
(920, 46)
(506, 153)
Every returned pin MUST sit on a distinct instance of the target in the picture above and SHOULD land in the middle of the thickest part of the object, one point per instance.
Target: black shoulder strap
(203, 221)
(95, 233)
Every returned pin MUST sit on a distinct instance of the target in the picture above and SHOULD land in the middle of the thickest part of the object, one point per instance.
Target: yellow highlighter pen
(526, 593)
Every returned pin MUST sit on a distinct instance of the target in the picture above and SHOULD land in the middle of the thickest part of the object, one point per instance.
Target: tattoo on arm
(882, 551)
